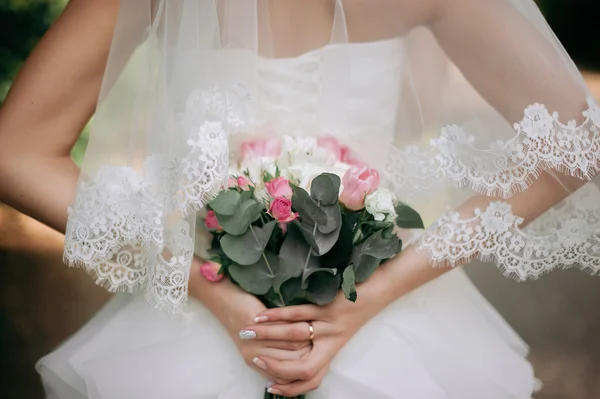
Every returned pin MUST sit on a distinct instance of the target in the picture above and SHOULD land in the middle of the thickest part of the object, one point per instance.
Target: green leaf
(257, 278)
(292, 256)
(339, 255)
(373, 226)
(247, 212)
(325, 189)
(272, 300)
(320, 243)
(364, 265)
(267, 177)
(323, 288)
(226, 202)
(297, 259)
(292, 293)
(334, 218)
(408, 218)
(307, 208)
(349, 285)
(247, 248)
(313, 267)
(379, 247)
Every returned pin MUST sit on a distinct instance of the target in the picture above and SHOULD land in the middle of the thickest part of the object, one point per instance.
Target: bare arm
(48, 106)
(512, 66)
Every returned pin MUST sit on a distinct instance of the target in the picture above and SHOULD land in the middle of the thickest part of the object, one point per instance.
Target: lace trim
(127, 227)
(541, 142)
(117, 231)
(573, 239)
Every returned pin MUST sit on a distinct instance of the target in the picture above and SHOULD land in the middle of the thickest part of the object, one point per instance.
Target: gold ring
(311, 331)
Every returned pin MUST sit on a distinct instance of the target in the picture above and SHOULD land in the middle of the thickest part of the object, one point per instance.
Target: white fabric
(446, 103)
(441, 341)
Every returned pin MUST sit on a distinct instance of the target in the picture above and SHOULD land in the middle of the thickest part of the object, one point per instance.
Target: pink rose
(244, 183)
(281, 210)
(279, 187)
(210, 271)
(350, 160)
(231, 182)
(260, 149)
(358, 182)
(211, 221)
(333, 146)
(341, 153)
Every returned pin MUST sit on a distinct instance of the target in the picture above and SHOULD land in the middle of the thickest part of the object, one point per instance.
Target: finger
(288, 345)
(281, 354)
(278, 332)
(299, 387)
(290, 313)
(304, 368)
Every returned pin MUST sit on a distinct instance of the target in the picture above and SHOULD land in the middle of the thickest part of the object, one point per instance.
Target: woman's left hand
(333, 326)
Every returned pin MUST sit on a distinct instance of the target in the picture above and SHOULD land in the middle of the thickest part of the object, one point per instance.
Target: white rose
(257, 167)
(303, 150)
(380, 204)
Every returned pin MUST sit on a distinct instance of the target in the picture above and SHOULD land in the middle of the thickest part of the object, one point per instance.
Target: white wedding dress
(443, 340)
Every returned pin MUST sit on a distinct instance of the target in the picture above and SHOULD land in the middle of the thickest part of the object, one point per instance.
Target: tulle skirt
(444, 340)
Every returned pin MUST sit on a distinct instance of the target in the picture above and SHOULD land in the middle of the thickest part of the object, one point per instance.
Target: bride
(470, 109)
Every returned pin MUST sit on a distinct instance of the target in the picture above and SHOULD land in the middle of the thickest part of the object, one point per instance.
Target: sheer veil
(488, 127)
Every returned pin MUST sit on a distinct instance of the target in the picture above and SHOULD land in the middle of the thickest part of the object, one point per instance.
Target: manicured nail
(259, 363)
(274, 391)
(261, 319)
(247, 334)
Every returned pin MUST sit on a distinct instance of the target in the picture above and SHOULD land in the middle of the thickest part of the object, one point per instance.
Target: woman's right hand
(236, 309)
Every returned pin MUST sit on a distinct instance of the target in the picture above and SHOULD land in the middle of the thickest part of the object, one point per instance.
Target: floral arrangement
(301, 219)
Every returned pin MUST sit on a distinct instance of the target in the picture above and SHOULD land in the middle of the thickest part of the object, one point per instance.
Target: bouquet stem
(273, 396)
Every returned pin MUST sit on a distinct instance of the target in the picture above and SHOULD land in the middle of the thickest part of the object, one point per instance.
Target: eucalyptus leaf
(325, 189)
(334, 218)
(247, 248)
(307, 208)
(364, 265)
(321, 243)
(323, 288)
(257, 278)
(292, 256)
(313, 267)
(349, 284)
(272, 300)
(339, 255)
(247, 212)
(292, 293)
(408, 218)
(297, 259)
(380, 247)
(374, 225)
(226, 202)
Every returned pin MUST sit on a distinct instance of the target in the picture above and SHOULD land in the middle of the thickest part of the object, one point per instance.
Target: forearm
(413, 267)
(225, 300)
(40, 187)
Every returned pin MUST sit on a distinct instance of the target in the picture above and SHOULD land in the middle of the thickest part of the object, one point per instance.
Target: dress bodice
(349, 91)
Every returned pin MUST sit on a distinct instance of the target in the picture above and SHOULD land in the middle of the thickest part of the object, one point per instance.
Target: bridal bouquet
(301, 219)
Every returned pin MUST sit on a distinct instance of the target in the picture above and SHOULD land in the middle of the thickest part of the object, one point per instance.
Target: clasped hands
(277, 343)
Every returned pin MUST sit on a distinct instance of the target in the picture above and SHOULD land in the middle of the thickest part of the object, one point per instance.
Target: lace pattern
(565, 237)
(541, 142)
(128, 227)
